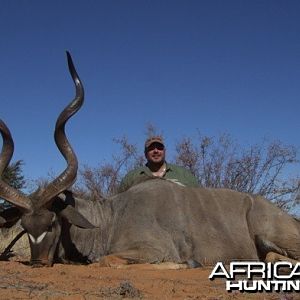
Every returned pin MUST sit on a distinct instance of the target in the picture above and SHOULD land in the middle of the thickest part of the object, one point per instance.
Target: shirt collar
(146, 170)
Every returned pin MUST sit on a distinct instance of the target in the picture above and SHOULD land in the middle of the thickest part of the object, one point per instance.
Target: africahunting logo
(258, 276)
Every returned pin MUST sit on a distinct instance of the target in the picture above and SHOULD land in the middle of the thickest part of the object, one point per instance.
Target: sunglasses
(157, 146)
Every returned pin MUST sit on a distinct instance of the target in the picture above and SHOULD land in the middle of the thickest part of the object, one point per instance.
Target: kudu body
(155, 221)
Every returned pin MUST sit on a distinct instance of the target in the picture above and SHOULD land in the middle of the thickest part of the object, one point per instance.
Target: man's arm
(191, 179)
(133, 177)
(125, 183)
(186, 177)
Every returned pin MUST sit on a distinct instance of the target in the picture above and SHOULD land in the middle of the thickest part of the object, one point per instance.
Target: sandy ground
(20, 281)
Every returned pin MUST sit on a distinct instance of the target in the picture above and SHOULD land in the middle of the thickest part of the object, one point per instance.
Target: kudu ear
(76, 218)
(9, 216)
(64, 204)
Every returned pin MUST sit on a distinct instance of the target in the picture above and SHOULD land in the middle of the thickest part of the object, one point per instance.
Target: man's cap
(154, 139)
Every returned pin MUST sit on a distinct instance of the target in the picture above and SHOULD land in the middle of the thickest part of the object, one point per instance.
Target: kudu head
(40, 218)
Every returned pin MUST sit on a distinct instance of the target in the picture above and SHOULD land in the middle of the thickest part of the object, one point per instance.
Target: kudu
(155, 221)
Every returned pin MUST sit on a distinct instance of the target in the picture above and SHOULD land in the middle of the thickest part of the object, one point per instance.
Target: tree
(13, 176)
(103, 181)
(258, 169)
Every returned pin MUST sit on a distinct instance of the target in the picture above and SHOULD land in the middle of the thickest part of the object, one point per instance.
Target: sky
(212, 65)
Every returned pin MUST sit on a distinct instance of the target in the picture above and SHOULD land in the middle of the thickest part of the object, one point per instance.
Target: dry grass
(19, 249)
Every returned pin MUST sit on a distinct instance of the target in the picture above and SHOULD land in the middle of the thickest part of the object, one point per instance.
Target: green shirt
(173, 173)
